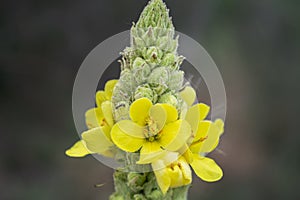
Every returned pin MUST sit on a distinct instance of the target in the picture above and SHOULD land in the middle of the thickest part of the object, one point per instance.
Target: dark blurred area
(255, 44)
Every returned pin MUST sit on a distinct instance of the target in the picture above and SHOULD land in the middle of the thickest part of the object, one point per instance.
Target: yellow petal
(220, 125)
(100, 98)
(107, 112)
(196, 147)
(78, 150)
(139, 110)
(96, 140)
(188, 95)
(202, 130)
(195, 114)
(158, 114)
(180, 173)
(109, 87)
(132, 129)
(206, 169)
(174, 135)
(167, 157)
(183, 111)
(94, 118)
(212, 140)
(172, 114)
(162, 178)
(124, 141)
(150, 152)
(176, 176)
(188, 155)
(106, 130)
(186, 170)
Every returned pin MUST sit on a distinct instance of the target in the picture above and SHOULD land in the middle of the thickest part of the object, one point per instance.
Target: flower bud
(152, 54)
(135, 181)
(168, 60)
(140, 70)
(159, 89)
(176, 80)
(145, 91)
(169, 99)
(159, 76)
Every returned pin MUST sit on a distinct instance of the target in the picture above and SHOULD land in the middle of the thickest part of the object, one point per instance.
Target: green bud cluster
(150, 66)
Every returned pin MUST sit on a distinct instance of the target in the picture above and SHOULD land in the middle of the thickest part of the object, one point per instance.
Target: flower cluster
(170, 142)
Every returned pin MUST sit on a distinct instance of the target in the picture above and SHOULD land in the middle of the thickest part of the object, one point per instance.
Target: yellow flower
(206, 136)
(152, 129)
(106, 95)
(171, 175)
(99, 121)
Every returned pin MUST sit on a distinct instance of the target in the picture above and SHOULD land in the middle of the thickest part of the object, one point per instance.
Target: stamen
(151, 129)
(103, 122)
(200, 140)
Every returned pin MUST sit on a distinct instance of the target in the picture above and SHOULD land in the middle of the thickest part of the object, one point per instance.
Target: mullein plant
(148, 119)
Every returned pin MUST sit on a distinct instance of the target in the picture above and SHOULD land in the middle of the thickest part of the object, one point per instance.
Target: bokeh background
(255, 44)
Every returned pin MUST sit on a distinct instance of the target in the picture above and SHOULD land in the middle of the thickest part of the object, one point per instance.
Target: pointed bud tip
(155, 14)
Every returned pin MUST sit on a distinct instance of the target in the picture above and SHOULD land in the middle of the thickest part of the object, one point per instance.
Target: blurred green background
(255, 44)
